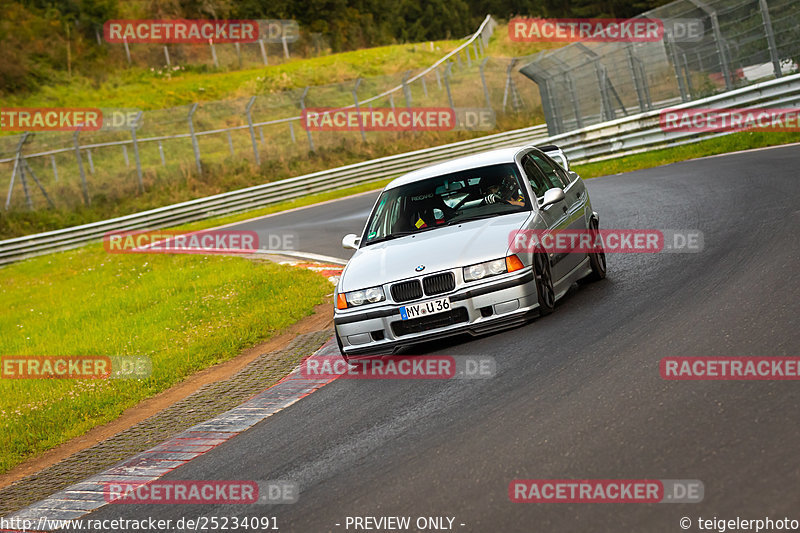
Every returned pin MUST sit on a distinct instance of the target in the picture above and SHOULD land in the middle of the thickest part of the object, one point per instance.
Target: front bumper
(477, 309)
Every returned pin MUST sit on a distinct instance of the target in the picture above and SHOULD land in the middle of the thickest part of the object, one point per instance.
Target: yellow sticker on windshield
(420, 223)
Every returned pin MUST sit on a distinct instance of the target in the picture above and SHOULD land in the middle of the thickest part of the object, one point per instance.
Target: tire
(341, 348)
(597, 258)
(543, 278)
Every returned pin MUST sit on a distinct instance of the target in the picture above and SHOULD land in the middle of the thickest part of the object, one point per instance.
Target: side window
(549, 170)
(558, 165)
(539, 183)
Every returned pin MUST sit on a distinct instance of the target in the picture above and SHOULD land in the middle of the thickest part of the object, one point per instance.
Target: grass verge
(185, 312)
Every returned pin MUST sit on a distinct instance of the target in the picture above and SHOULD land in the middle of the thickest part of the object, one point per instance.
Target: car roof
(492, 157)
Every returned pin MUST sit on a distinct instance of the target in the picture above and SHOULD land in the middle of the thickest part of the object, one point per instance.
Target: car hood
(440, 249)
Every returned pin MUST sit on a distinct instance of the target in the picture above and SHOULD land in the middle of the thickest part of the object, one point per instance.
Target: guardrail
(594, 143)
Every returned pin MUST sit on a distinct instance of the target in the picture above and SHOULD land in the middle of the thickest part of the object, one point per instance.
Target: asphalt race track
(578, 393)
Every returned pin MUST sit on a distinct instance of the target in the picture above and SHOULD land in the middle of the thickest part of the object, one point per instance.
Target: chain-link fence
(739, 42)
(175, 145)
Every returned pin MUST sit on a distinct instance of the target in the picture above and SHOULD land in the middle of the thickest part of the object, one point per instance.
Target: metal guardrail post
(303, 106)
(773, 49)
(247, 111)
(354, 90)
(139, 180)
(483, 81)
(84, 186)
(195, 145)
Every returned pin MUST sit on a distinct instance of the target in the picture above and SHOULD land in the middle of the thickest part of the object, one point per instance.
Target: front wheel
(544, 283)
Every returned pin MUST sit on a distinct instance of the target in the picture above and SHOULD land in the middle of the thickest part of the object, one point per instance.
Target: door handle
(564, 208)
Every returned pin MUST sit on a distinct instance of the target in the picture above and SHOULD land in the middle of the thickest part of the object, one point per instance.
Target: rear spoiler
(556, 153)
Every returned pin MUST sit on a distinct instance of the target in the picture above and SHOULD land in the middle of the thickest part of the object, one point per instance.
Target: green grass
(719, 145)
(158, 89)
(185, 312)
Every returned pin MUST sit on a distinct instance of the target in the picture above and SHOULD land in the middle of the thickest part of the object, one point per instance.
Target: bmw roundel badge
(420, 268)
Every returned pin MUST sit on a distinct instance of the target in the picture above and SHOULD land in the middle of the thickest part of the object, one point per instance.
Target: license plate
(425, 308)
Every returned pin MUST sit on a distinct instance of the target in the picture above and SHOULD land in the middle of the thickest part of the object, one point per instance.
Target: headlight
(492, 268)
(360, 297)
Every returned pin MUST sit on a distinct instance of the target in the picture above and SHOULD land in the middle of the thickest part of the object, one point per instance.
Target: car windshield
(445, 200)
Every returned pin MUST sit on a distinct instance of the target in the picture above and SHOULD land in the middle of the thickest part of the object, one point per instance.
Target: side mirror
(351, 241)
(552, 196)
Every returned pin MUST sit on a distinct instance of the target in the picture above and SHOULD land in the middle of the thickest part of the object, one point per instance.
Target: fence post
(55, 168)
(483, 81)
(134, 125)
(263, 51)
(14, 172)
(213, 53)
(91, 161)
(469, 59)
(285, 47)
(127, 49)
(195, 145)
(238, 53)
(161, 153)
(447, 85)
(247, 111)
(166, 56)
(125, 156)
(723, 58)
(24, 163)
(424, 86)
(406, 89)
(358, 111)
(773, 49)
(678, 75)
(644, 105)
(303, 106)
(84, 186)
(230, 142)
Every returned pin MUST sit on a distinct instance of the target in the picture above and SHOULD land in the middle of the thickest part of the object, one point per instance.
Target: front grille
(439, 283)
(425, 323)
(406, 291)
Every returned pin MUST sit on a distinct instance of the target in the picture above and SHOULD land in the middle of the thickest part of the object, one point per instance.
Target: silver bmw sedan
(459, 247)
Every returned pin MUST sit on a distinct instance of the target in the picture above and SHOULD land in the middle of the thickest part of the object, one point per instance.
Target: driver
(504, 190)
